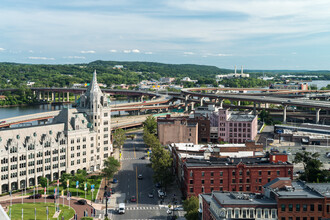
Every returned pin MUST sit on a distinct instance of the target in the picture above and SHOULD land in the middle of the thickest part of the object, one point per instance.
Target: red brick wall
(316, 214)
(206, 212)
(255, 183)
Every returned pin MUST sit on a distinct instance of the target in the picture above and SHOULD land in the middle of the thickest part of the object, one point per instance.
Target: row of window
(298, 218)
(240, 173)
(233, 189)
(299, 207)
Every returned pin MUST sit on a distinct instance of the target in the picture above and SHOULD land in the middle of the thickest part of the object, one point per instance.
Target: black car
(82, 202)
(52, 196)
(37, 196)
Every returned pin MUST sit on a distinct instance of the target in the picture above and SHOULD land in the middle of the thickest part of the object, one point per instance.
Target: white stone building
(77, 139)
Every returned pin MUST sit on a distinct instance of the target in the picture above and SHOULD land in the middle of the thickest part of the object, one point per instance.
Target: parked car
(1, 122)
(37, 196)
(142, 158)
(151, 195)
(157, 185)
(133, 199)
(52, 196)
(140, 177)
(82, 202)
(114, 180)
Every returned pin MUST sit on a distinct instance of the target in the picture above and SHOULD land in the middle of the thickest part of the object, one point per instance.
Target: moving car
(151, 195)
(37, 196)
(133, 199)
(82, 202)
(161, 193)
(121, 209)
(140, 177)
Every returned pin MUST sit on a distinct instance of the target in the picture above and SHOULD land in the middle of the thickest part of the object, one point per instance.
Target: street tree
(151, 124)
(43, 181)
(161, 163)
(312, 166)
(150, 139)
(191, 205)
(119, 138)
(111, 166)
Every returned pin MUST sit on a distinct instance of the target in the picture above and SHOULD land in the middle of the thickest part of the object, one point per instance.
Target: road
(129, 185)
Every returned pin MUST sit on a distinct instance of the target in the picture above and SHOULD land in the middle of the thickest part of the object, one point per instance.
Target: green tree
(161, 163)
(150, 124)
(150, 139)
(64, 178)
(312, 166)
(191, 205)
(111, 166)
(119, 138)
(43, 181)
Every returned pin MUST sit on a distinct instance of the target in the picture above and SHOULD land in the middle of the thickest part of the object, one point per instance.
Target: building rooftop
(235, 116)
(322, 188)
(203, 147)
(215, 161)
(237, 198)
(298, 190)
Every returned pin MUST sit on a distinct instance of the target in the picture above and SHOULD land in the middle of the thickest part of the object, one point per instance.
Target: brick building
(281, 199)
(237, 205)
(299, 200)
(234, 127)
(183, 129)
(231, 174)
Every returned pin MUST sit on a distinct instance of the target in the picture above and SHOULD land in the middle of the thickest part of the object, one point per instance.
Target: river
(320, 83)
(10, 112)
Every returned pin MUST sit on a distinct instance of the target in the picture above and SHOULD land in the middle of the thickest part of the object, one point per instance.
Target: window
(269, 173)
(247, 180)
(221, 173)
(298, 207)
(312, 207)
(248, 172)
(297, 218)
(202, 189)
(203, 181)
(260, 172)
(283, 207)
(278, 172)
(290, 207)
(191, 173)
(240, 172)
(191, 181)
(191, 189)
(212, 181)
(240, 180)
(221, 181)
(233, 173)
(212, 174)
(304, 218)
(283, 218)
(304, 207)
(233, 180)
(203, 173)
(319, 207)
(290, 218)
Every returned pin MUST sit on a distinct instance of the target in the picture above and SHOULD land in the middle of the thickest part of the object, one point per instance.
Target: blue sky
(258, 34)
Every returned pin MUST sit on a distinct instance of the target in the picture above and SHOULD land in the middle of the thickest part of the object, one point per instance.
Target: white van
(121, 209)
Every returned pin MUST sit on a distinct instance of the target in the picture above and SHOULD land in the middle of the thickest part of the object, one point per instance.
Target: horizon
(257, 35)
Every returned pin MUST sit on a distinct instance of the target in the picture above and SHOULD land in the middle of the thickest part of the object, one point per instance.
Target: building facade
(292, 86)
(231, 174)
(176, 130)
(234, 127)
(77, 139)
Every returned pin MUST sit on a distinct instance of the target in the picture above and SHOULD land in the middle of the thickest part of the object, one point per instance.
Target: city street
(129, 185)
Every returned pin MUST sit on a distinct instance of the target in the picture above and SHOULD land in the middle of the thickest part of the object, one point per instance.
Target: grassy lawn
(16, 211)
(81, 192)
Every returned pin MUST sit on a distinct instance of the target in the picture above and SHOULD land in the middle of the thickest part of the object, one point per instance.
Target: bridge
(189, 94)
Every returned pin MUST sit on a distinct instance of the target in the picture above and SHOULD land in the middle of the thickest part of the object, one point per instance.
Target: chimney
(241, 69)
(235, 69)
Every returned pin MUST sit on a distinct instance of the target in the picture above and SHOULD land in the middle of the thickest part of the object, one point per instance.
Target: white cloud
(31, 51)
(113, 51)
(223, 55)
(188, 53)
(135, 51)
(294, 53)
(87, 51)
(41, 58)
(2, 49)
(74, 57)
(127, 51)
(148, 53)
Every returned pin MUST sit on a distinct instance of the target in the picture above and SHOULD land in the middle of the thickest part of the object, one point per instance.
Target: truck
(121, 209)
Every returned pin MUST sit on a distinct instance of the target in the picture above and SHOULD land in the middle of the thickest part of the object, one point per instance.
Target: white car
(161, 193)
(169, 211)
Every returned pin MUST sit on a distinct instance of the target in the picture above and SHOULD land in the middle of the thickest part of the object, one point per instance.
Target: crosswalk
(143, 208)
(129, 158)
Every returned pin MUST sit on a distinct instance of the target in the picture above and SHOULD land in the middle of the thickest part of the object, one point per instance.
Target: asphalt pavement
(129, 185)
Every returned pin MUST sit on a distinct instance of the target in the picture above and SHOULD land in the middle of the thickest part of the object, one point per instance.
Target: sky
(255, 34)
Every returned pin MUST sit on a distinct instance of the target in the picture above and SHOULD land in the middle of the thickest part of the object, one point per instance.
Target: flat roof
(299, 191)
(236, 198)
(202, 147)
